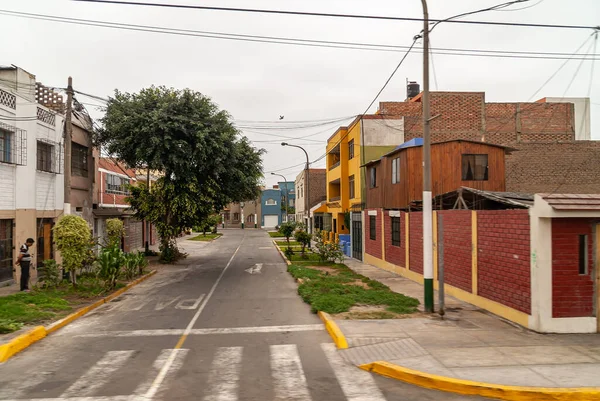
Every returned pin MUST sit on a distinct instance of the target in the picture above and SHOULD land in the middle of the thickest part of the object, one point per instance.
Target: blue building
(273, 202)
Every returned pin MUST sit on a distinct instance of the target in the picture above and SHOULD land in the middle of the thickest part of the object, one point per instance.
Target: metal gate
(357, 236)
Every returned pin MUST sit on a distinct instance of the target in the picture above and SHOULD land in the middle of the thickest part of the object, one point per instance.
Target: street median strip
(334, 331)
(23, 341)
(468, 387)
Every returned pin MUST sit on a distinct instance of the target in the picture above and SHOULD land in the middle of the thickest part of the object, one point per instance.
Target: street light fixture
(286, 200)
(306, 194)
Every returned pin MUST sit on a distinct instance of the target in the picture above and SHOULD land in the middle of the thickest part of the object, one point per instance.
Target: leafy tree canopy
(206, 162)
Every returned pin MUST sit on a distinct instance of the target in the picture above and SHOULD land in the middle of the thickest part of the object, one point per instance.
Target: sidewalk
(469, 343)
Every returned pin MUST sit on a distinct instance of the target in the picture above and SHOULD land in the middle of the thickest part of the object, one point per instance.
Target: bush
(52, 274)
(115, 231)
(169, 252)
(287, 230)
(303, 238)
(289, 252)
(328, 252)
(72, 237)
(109, 265)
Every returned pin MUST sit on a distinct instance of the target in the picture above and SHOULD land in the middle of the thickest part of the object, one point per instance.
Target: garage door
(271, 220)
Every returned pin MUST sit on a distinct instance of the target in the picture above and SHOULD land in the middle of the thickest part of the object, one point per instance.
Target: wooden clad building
(396, 180)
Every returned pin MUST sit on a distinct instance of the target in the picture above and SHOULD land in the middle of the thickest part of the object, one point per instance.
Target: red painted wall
(415, 228)
(572, 293)
(373, 247)
(503, 259)
(457, 247)
(395, 254)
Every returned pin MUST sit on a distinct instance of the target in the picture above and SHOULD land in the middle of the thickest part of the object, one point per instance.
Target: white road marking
(286, 368)
(356, 384)
(255, 269)
(160, 305)
(224, 375)
(165, 369)
(108, 398)
(265, 247)
(184, 304)
(136, 305)
(227, 330)
(98, 375)
(159, 362)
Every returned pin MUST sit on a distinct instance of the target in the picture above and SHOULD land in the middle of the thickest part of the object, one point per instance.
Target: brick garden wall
(373, 247)
(415, 248)
(572, 293)
(503, 260)
(395, 254)
(457, 248)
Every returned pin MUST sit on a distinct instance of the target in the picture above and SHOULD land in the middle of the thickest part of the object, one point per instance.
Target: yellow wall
(346, 169)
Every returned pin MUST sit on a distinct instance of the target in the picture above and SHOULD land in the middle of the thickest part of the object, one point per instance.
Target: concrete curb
(467, 387)
(34, 335)
(334, 331)
(281, 253)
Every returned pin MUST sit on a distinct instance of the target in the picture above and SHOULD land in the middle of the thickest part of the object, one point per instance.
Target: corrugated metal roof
(573, 201)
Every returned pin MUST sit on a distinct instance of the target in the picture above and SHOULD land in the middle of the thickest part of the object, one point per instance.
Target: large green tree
(205, 161)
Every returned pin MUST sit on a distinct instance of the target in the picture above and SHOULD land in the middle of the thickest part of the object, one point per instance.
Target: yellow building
(368, 137)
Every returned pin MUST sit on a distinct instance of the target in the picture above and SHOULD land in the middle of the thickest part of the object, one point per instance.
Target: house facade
(271, 207)
(318, 193)
(288, 201)
(236, 213)
(31, 169)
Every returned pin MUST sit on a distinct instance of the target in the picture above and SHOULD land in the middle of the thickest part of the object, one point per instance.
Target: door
(6, 250)
(271, 220)
(357, 236)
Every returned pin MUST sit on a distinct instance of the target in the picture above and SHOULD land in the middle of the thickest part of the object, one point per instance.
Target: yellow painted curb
(334, 331)
(23, 341)
(467, 387)
(281, 253)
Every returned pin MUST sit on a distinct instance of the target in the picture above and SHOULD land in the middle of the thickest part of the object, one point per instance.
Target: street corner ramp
(468, 387)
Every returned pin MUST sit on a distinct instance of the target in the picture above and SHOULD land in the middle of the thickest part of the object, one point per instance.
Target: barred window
(45, 156)
(79, 160)
(372, 228)
(351, 150)
(116, 184)
(396, 231)
(6, 138)
(351, 187)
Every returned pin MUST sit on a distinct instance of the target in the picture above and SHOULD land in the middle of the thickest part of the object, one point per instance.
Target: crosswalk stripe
(356, 384)
(286, 368)
(159, 362)
(98, 375)
(224, 374)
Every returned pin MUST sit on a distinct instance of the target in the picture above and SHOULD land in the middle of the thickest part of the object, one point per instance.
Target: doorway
(357, 236)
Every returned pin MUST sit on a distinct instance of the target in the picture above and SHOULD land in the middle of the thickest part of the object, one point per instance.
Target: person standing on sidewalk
(24, 260)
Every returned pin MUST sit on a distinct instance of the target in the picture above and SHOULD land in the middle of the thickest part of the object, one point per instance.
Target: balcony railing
(334, 166)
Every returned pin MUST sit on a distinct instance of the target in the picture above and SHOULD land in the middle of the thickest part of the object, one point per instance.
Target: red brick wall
(572, 293)
(457, 248)
(373, 248)
(503, 258)
(395, 254)
(415, 228)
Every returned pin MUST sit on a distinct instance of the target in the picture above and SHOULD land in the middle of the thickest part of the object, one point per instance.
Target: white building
(31, 167)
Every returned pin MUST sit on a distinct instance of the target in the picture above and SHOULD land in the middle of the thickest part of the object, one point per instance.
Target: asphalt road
(224, 325)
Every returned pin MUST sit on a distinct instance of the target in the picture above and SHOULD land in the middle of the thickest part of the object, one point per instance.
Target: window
(250, 219)
(5, 146)
(351, 187)
(373, 178)
(318, 222)
(116, 184)
(372, 228)
(79, 160)
(474, 167)
(45, 153)
(271, 202)
(291, 202)
(351, 150)
(227, 216)
(583, 254)
(396, 231)
(236, 217)
(396, 170)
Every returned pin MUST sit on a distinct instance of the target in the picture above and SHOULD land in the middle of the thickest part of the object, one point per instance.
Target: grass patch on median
(207, 237)
(275, 234)
(335, 288)
(42, 305)
(284, 244)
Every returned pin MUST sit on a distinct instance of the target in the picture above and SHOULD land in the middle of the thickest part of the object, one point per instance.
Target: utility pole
(68, 139)
(147, 221)
(427, 210)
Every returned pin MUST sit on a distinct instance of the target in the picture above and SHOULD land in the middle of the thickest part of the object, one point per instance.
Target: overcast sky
(260, 82)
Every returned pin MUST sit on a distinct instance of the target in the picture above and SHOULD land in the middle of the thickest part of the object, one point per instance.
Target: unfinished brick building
(551, 140)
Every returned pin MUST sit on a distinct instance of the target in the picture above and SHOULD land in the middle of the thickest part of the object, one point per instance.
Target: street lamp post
(307, 192)
(242, 210)
(286, 199)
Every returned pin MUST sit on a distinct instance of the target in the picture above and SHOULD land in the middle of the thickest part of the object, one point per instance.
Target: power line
(337, 15)
(286, 40)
